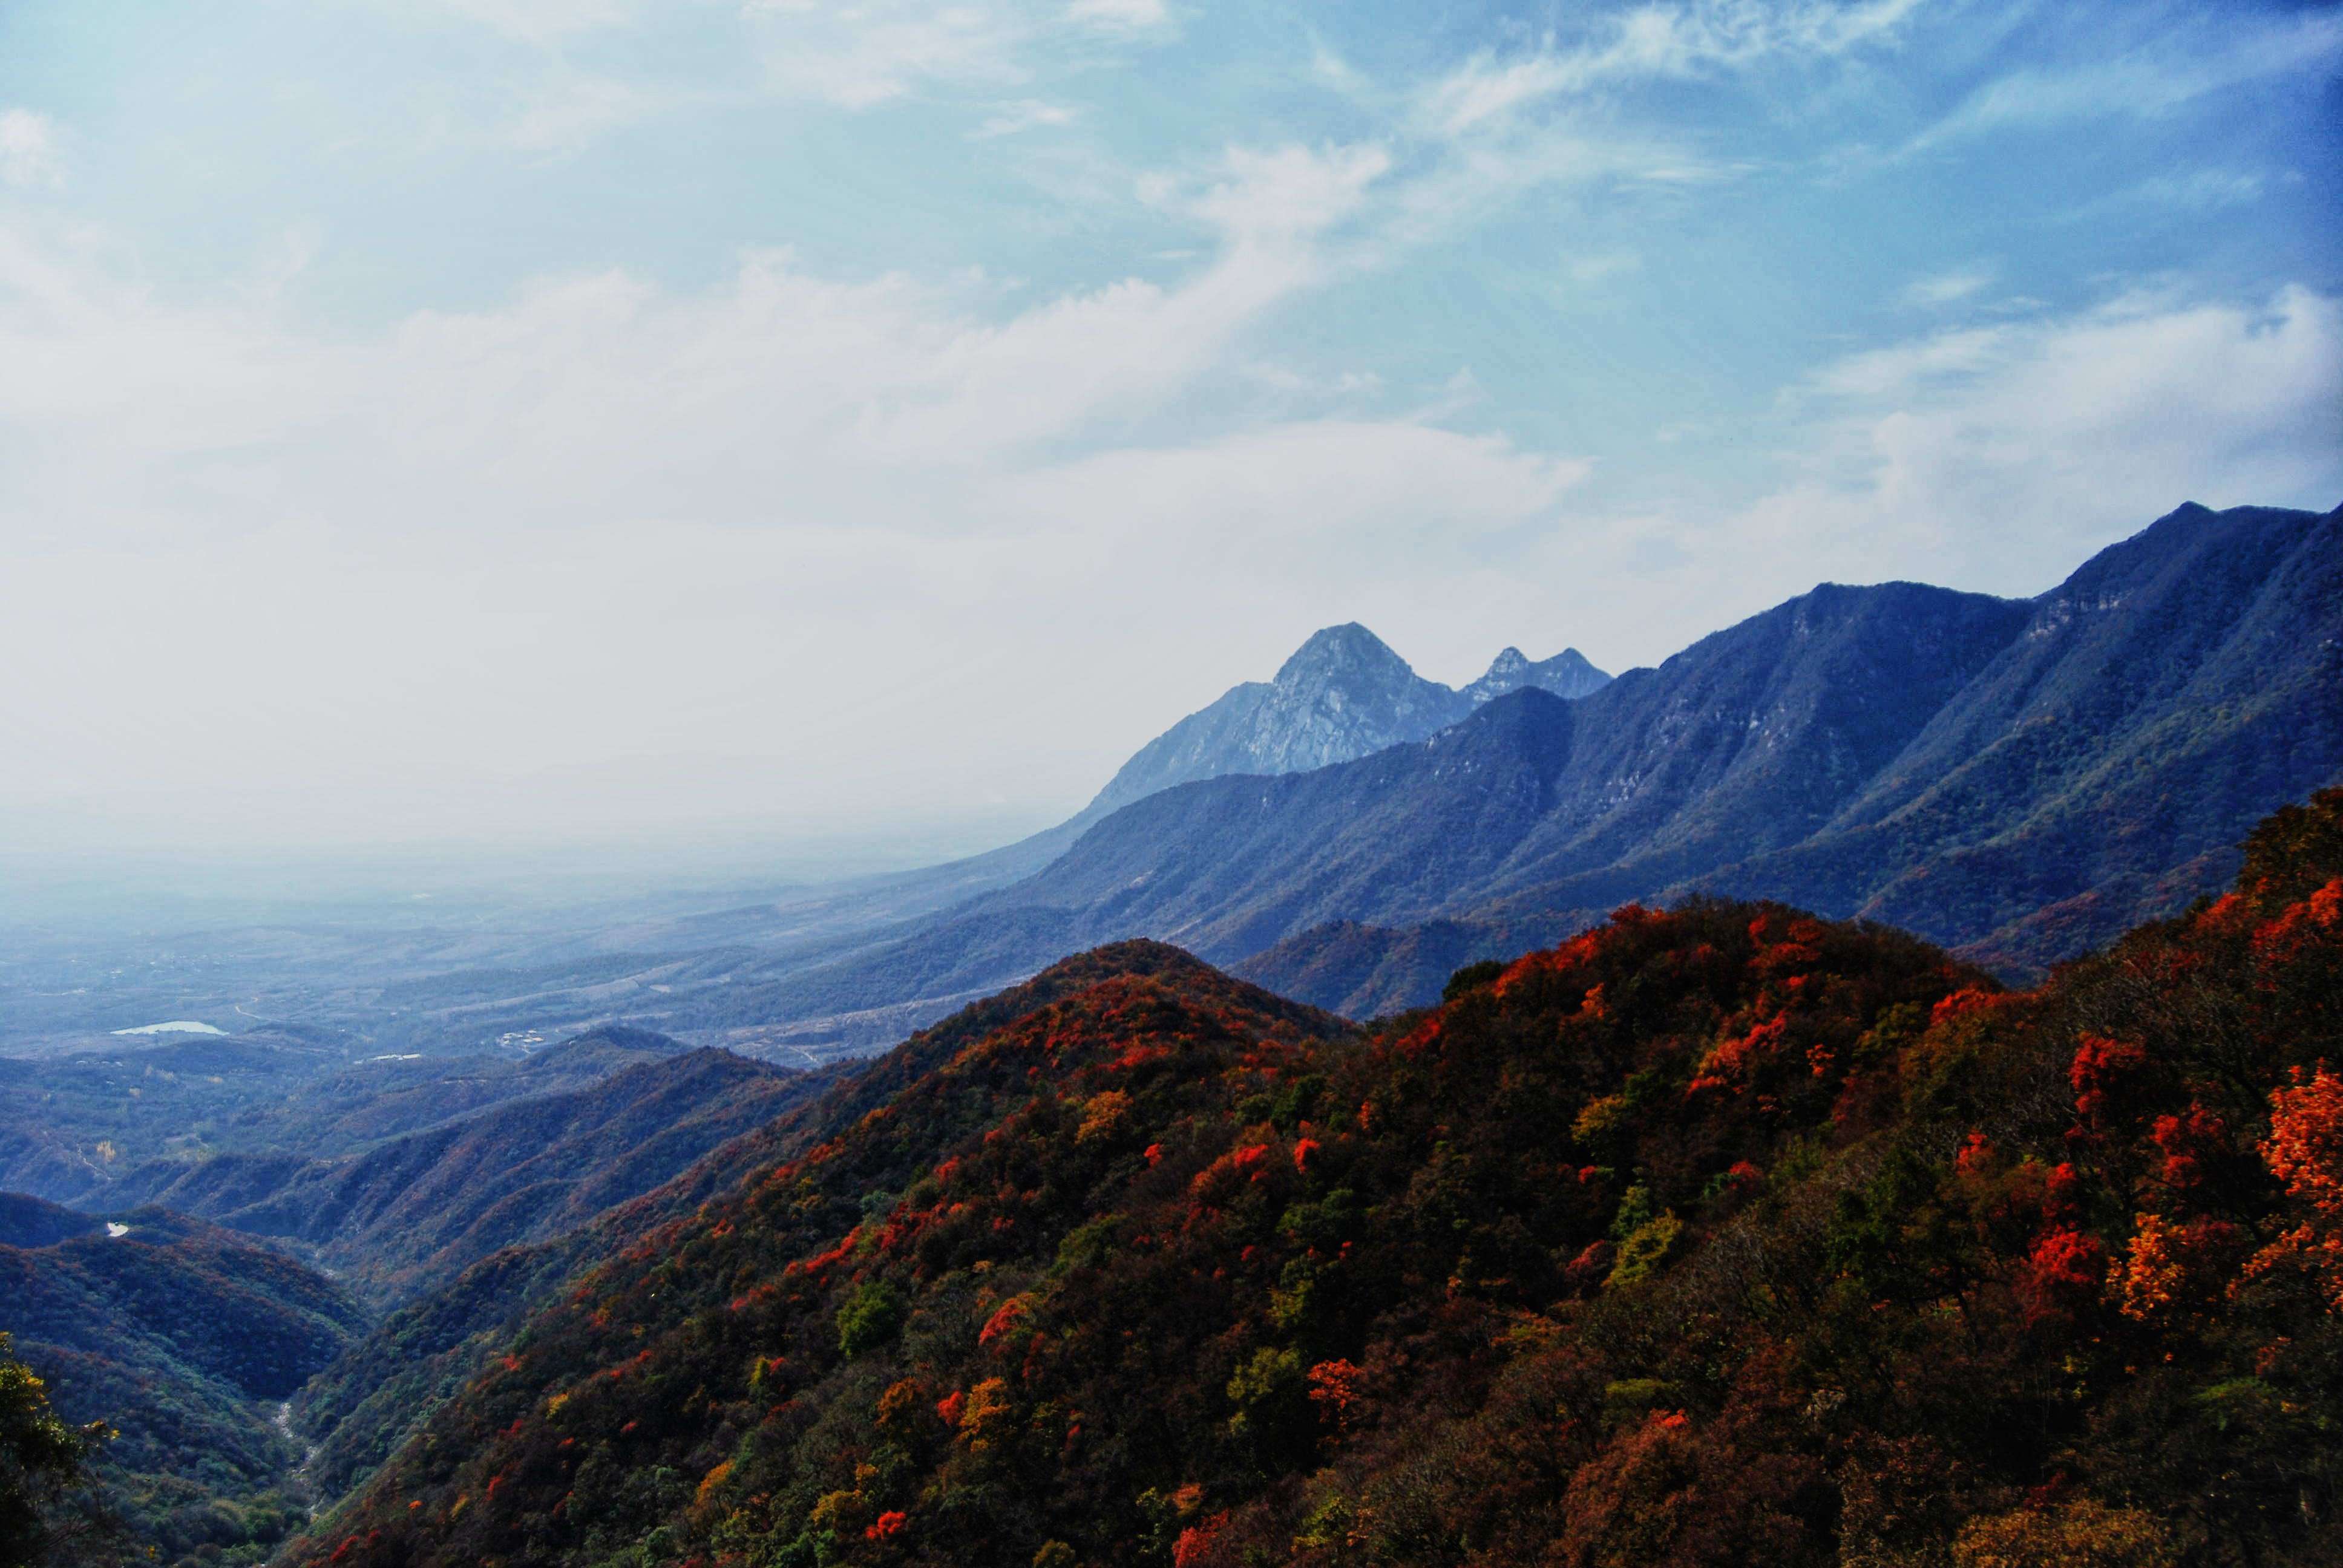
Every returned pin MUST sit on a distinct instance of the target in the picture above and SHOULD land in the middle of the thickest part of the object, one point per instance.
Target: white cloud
(852, 54)
(1119, 14)
(2199, 190)
(1029, 114)
(540, 22)
(858, 53)
(29, 154)
(1290, 192)
(1657, 40)
(1950, 286)
(2177, 67)
(1994, 458)
(570, 109)
(1989, 455)
(1601, 267)
(1298, 488)
(475, 565)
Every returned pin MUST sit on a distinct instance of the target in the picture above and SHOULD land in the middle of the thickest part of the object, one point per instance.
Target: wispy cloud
(2069, 424)
(1027, 115)
(1951, 287)
(853, 54)
(2173, 68)
(1588, 270)
(782, 473)
(1993, 457)
(857, 56)
(1288, 192)
(1657, 41)
(541, 22)
(570, 109)
(861, 53)
(29, 154)
(1119, 14)
(2202, 190)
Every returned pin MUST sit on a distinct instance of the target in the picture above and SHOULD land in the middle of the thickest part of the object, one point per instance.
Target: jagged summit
(1343, 694)
(1567, 674)
(1346, 651)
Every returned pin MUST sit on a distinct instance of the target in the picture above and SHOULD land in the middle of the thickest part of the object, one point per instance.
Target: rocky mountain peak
(1567, 674)
(1347, 653)
(1343, 694)
(1510, 665)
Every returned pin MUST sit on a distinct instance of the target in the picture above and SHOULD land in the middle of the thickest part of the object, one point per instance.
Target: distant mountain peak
(1567, 674)
(1348, 650)
(1342, 694)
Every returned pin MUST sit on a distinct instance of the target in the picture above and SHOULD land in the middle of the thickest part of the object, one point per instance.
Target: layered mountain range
(2018, 778)
(609, 1227)
(415, 1210)
(1717, 1236)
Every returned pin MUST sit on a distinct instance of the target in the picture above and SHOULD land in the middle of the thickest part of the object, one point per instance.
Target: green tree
(41, 1459)
(870, 1319)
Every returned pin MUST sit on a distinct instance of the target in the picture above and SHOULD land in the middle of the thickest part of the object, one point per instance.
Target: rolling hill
(175, 1332)
(414, 1210)
(1720, 1235)
(72, 1128)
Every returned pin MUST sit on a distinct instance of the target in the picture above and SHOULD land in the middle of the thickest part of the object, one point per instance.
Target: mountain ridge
(1342, 695)
(1761, 761)
(1726, 1230)
(415, 1209)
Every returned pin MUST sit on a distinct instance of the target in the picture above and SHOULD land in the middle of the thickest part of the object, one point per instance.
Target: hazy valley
(409, 1143)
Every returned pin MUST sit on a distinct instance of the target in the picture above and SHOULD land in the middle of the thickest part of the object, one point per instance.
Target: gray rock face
(1344, 694)
(1567, 674)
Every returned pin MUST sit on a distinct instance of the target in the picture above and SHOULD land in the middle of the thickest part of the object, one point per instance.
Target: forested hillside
(172, 1332)
(1724, 1235)
(413, 1211)
(88, 1128)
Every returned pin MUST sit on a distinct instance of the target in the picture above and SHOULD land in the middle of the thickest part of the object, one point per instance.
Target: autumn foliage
(1722, 1235)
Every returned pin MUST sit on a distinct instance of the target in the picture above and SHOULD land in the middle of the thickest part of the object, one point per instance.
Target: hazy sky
(625, 417)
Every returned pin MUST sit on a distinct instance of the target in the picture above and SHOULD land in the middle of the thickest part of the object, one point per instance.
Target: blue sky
(429, 417)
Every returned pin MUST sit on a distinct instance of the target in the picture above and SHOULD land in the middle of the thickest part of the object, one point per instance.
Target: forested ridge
(1724, 1234)
(180, 1337)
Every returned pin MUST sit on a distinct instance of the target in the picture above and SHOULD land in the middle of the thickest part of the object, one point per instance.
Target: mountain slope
(1228, 866)
(1343, 694)
(2015, 774)
(415, 1210)
(71, 1127)
(171, 1329)
(359, 1410)
(1752, 737)
(2157, 703)
(1720, 1236)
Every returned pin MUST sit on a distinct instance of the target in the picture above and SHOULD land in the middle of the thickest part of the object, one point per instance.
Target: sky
(535, 421)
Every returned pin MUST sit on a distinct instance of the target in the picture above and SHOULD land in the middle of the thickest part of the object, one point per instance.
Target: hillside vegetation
(108, 1128)
(181, 1337)
(1725, 1235)
(413, 1211)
